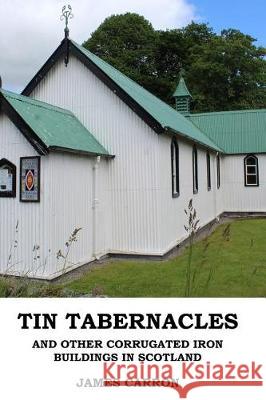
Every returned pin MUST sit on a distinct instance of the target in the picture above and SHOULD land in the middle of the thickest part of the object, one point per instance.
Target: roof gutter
(60, 149)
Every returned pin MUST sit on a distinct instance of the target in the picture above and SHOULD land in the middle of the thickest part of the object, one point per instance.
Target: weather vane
(66, 15)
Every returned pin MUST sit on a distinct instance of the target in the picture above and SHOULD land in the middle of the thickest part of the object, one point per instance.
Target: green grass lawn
(231, 262)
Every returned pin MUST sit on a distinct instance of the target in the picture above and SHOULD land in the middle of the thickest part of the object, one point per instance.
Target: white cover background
(29, 373)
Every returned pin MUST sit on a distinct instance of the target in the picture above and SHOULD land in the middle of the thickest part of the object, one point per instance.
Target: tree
(168, 58)
(174, 50)
(223, 72)
(228, 73)
(127, 42)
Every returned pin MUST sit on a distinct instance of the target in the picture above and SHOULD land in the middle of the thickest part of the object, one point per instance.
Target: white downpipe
(215, 187)
(95, 206)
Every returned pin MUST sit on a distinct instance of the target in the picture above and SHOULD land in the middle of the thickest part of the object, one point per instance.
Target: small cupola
(182, 96)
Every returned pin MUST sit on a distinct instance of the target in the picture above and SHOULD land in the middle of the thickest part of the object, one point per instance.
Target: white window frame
(218, 170)
(209, 177)
(195, 170)
(175, 168)
(254, 165)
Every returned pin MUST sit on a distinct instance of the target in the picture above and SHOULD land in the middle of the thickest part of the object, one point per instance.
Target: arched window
(218, 165)
(251, 168)
(175, 168)
(7, 179)
(208, 160)
(195, 170)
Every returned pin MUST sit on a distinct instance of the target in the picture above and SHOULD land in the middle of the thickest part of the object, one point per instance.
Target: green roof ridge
(227, 112)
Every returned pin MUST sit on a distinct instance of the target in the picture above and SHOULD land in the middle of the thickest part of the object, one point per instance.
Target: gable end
(73, 50)
(57, 54)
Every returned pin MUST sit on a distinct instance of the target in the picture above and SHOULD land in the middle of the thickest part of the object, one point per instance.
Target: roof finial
(66, 15)
(181, 72)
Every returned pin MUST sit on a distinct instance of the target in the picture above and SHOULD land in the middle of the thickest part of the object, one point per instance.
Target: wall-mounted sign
(7, 179)
(30, 179)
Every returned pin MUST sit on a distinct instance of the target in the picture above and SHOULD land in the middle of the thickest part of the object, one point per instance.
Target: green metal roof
(181, 89)
(57, 128)
(236, 132)
(165, 115)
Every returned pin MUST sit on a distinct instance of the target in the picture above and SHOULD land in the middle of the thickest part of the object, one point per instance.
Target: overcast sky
(31, 30)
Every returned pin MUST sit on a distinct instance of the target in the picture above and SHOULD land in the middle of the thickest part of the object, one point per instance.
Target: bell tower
(182, 96)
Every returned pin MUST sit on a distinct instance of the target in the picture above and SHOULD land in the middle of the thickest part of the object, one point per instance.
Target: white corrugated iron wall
(131, 192)
(238, 197)
(220, 192)
(207, 203)
(66, 204)
(16, 252)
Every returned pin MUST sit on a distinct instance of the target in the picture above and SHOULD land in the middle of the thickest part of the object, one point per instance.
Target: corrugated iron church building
(86, 147)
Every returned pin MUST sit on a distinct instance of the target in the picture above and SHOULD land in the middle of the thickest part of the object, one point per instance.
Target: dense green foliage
(223, 72)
